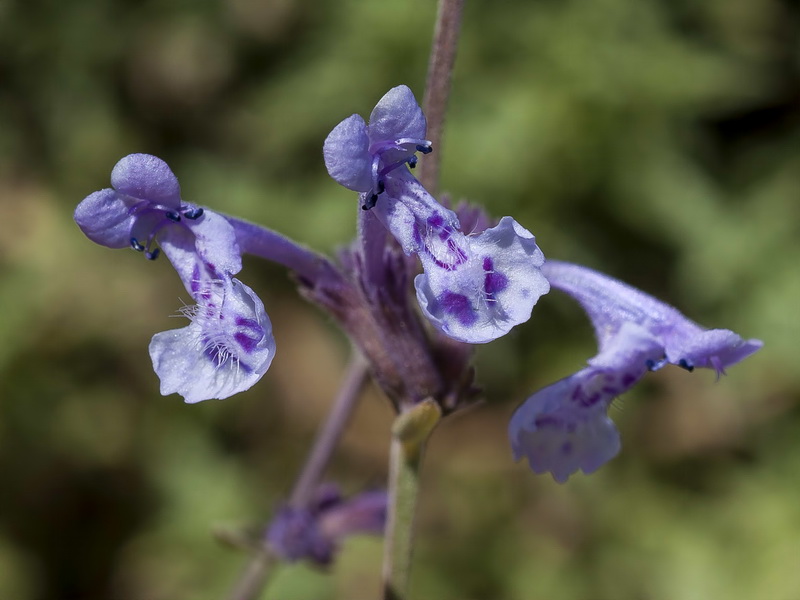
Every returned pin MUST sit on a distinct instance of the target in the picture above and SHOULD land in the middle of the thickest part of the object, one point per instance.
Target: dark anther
(655, 365)
(424, 149)
(685, 364)
(371, 201)
(136, 245)
(381, 188)
(173, 216)
(194, 213)
(412, 161)
(152, 255)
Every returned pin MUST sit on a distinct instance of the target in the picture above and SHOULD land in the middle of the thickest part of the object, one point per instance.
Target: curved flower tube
(564, 428)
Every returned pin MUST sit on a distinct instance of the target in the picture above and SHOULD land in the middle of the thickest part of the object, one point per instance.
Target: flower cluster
(228, 344)
(475, 287)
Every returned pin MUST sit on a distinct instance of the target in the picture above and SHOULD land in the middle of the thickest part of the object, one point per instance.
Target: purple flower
(361, 157)
(228, 345)
(474, 288)
(494, 288)
(564, 427)
(315, 532)
(144, 206)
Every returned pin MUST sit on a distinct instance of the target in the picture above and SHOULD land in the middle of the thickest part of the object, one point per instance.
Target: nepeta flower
(144, 206)
(492, 290)
(314, 533)
(474, 288)
(564, 427)
(228, 345)
(360, 156)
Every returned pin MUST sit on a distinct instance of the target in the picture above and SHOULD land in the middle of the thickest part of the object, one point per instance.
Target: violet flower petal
(419, 223)
(363, 157)
(225, 349)
(609, 303)
(347, 156)
(147, 177)
(397, 116)
(496, 289)
(564, 427)
(105, 218)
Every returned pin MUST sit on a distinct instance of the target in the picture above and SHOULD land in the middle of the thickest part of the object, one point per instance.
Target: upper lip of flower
(361, 156)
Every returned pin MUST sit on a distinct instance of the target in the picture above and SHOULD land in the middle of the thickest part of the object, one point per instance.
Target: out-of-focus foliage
(656, 140)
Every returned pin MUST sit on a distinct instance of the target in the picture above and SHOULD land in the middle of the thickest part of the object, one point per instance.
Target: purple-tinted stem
(437, 87)
(265, 243)
(330, 433)
(254, 578)
(372, 236)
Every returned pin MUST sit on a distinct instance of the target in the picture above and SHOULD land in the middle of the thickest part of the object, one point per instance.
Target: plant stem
(437, 87)
(328, 437)
(410, 432)
(254, 578)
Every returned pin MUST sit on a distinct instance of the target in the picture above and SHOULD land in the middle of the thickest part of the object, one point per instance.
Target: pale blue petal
(397, 116)
(347, 156)
(419, 223)
(147, 177)
(215, 240)
(105, 218)
(712, 348)
(564, 428)
(494, 290)
(226, 349)
(609, 303)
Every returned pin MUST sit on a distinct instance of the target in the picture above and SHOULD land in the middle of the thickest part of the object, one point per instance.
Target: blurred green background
(656, 140)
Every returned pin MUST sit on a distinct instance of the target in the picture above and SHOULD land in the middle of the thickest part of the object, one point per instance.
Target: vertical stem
(328, 437)
(410, 433)
(252, 581)
(437, 87)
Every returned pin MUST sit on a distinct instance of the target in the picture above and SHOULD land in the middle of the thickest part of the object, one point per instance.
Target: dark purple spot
(459, 306)
(628, 380)
(494, 283)
(566, 448)
(245, 322)
(247, 343)
(611, 391)
(436, 221)
(591, 400)
(548, 421)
